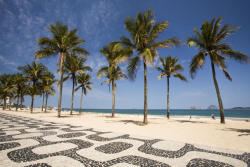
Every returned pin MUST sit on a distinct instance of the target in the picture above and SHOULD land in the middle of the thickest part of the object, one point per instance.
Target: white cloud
(7, 62)
(97, 19)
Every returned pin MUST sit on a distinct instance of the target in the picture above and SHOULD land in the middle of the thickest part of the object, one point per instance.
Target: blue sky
(102, 21)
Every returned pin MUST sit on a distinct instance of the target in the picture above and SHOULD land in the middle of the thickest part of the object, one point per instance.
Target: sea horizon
(173, 112)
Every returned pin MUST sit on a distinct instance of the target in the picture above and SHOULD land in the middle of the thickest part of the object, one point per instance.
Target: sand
(234, 135)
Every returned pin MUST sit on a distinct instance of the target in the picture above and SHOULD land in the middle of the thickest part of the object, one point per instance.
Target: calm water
(177, 112)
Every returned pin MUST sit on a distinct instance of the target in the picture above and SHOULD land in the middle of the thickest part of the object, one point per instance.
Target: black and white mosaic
(29, 142)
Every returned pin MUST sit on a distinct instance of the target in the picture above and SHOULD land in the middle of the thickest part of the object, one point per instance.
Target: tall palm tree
(169, 67)
(111, 74)
(144, 31)
(20, 83)
(210, 42)
(62, 42)
(48, 80)
(84, 82)
(34, 73)
(72, 66)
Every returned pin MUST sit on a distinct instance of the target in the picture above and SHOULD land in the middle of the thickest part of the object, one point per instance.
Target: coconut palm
(72, 66)
(111, 74)
(7, 88)
(114, 53)
(62, 42)
(169, 67)
(20, 84)
(34, 73)
(210, 42)
(144, 31)
(84, 82)
(48, 80)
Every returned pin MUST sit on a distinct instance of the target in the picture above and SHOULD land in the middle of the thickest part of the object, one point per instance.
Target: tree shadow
(189, 121)
(107, 116)
(243, 132)
(138, 123)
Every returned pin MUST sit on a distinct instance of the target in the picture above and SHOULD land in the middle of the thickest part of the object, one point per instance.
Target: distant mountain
(195, 108)
(240, 108)
(212, 107)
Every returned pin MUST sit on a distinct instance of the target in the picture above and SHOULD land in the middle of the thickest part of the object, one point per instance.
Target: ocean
(174, 112)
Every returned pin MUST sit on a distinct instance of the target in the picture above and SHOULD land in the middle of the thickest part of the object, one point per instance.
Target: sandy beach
(234, 135)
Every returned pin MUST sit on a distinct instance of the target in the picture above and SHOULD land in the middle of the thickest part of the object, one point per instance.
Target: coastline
(234, 135)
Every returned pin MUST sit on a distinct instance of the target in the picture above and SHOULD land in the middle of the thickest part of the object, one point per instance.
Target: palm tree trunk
(4, 103)
(17, 102)
(46, 102)
(80, 111)
(43, 101)
(72, 99)
(222, 119)
(10, 101)
(113, 98)
(145, 119)
(61, 84)
(21, 100)
(31, 105)
(168, 98)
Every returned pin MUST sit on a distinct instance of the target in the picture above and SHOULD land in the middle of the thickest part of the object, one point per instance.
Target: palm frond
(134, 63)
(197, 61)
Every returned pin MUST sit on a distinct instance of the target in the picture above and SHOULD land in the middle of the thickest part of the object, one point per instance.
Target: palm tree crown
(210, 42)
(169, 67)
(115, 53)
(84, 82)
(111, 75)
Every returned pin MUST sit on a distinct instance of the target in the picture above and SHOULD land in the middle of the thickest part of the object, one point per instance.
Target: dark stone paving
(117, 150)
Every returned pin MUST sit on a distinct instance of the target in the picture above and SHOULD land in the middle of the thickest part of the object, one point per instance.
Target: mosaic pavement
(28, 142)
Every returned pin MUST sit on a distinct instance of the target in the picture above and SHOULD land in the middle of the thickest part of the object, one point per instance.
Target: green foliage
(34, 73)
(83, 80)
(62, 41)
(144, 31)
(111, 75)
(169, 67)
(75, 64)
(7, 86)
(210, 42)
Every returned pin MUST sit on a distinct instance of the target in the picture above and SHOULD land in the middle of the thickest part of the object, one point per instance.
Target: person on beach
(212, 116)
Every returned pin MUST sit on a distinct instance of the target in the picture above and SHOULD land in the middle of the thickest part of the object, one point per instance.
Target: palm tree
(210, 43)
(72, 66)
(48, 79)
(111, 74)
(34, 73)
(144, 31)
(7, 88)
(169, 67)
(84, 82)
(20, 83)
(62, 42)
